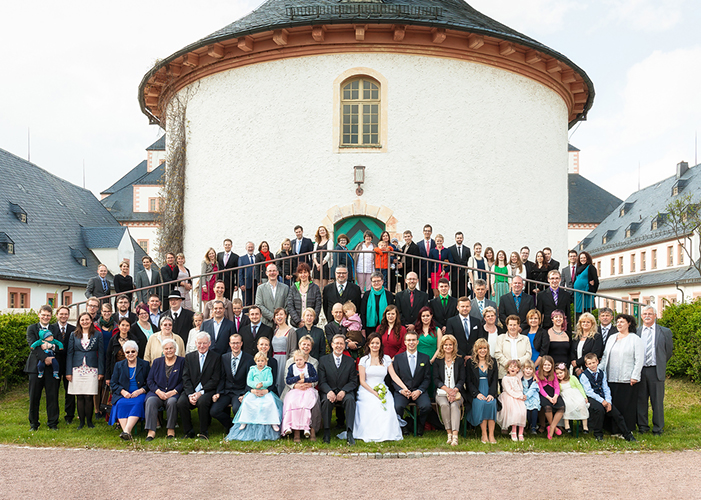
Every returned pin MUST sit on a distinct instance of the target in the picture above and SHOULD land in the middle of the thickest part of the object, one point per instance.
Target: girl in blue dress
(482, 385)
(260, 413)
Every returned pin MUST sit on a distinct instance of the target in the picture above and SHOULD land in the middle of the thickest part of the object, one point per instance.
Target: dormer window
(6, 244)
(679, 186)
(631, 229)
(19, 212)
(625, 209)
(607, 236)
(658, 221)
(79, 257)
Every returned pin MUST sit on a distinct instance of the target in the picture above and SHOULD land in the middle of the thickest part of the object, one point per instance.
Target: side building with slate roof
(53, 235)
(636, 251)
(134, 199)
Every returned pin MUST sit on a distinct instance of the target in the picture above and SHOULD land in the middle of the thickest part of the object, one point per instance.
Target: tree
(684, 219)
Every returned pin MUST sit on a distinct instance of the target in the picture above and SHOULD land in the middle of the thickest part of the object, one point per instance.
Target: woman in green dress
(429, 338)
(500, 284)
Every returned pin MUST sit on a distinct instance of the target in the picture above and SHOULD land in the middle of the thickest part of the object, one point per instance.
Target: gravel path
(90, 474)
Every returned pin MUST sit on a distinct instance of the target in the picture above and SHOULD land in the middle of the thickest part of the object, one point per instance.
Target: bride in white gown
(375, 420)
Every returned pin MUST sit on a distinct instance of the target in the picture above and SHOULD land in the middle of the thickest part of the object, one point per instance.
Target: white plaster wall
(146, 192)
(145, 233)
(38, 293)
(469, 147)
(108, 257)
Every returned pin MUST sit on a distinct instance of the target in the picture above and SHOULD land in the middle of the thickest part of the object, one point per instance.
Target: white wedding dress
(375, 421)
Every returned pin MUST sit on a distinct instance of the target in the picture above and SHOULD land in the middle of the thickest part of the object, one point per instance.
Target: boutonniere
(422, 364)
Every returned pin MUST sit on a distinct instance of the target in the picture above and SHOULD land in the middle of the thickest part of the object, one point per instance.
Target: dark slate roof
(570, 147)
(588, 203)
(641, 207)
(450, 14)
(121, 203)
(47, 245)
(133, 175)
(103, 237)
(679, 275)
(159, 145)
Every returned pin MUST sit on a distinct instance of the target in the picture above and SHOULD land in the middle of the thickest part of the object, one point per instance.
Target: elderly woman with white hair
(165, 383)
(129, 389)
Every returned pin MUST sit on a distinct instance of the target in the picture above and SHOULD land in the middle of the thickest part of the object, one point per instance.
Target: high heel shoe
(513, 436)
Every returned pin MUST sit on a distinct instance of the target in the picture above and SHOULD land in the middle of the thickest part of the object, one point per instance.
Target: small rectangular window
(23, 300)
(643, 258)
(12, 300)
(670, 256)
(143, 244)
(613, 267)
(680, 254)
(620, 265)
(653, 258)
(632, 263)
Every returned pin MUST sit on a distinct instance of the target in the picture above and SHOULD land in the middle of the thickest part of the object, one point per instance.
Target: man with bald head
(410, 300)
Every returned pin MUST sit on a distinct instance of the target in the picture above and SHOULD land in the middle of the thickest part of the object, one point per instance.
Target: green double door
(355, 227)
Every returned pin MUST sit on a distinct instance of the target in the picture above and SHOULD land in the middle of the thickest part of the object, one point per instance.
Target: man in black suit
(99, 286)
(240, 319)
(38, 383)
(232, 382)
(410, 301)
(169, 272)
(606, 328)
(515, 302)
(338, 381)
(569, 272)
(408, 262)
(465, 328)
(228, 260)
(480, 300)
(123, 310)
(552, 263)
(341, 290)
(62, 331)
(414, 369)
(554, 298)
(333, 327)
(459, 277)
(444, 306)
(219, 328)
(254, 330)
(182, 318)
(301, 245)
(149, 276)
(371, 312)
(425, 247)
(201, 373)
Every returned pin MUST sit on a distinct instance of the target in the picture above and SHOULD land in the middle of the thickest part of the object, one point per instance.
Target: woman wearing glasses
(129, 389)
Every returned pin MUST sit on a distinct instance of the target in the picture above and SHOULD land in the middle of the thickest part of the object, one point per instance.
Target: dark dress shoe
(170, 437)
(629, 437)
(90, 425)
(327, 436)
(69, 420)
(598, 438)
(53, 428)
(80, 425)
(125, 436)
(149, 438)
(34, 428)
(189, 435)
(350, 439)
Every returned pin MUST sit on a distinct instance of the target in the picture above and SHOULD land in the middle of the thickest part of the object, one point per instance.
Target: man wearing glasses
(341, 290)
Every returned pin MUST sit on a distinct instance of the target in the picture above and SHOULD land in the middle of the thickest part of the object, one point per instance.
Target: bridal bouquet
(381, 390)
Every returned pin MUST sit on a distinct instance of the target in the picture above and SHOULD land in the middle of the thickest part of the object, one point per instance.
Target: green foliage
(14, 350)
(685, 322)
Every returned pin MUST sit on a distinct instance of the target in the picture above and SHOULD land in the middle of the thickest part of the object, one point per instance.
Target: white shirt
(217, 326)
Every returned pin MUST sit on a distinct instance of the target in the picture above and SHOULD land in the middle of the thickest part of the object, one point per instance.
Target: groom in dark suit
(338, 380)
(232, 382)
(413, 368)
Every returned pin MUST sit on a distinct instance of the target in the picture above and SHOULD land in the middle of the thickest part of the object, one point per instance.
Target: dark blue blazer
(227, 329)
(247, 275)
(422, 373)
(291, 379)
(157, 376)
(445, 254)
(306, 246)
(120, 377)
(423, 265)
(229, 384)
(94, 355)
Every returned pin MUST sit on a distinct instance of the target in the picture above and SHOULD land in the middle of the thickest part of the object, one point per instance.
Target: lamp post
(359, 178)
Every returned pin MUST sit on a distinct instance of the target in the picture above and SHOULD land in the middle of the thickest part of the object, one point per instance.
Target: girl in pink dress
(513, 401)
(298, 404)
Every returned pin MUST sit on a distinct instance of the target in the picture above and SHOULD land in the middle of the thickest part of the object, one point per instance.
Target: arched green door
(354, 227)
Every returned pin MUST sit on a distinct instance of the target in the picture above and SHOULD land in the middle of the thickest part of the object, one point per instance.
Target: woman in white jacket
(365, 262)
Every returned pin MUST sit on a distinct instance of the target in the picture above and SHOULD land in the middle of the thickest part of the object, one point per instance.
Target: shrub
(685, 322)
(14, 350)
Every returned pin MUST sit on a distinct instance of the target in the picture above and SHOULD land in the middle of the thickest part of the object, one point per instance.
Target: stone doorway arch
(360, 208)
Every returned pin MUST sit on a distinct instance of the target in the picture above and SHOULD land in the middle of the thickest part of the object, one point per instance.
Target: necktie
(572, 274)
(340, 289)
(338, 362)
(201, 362)
(299, 245)
(466, 326)
(428, 247)
(411, 298)
(226, 259)
(175, 316)
(63, 331)
(250, 258)
(605, 333)
(460, 252)
(412, 364)
(649, 346)
(104, 285)
(555, 296)
(253, 329)
(481, 305)
(517, 299)
(234, 364)
(444, 301)
(238, 323)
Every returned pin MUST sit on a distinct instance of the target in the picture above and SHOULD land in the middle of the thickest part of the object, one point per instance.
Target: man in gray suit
(149, 276)
(271, 295)
(99, 286)
(658, 344)
(569, 273)
(479, 302)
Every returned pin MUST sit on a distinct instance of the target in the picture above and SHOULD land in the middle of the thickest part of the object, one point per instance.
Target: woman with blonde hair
(482, 377)
(585, 339)
(321, 260)
(209, 265)
(284, 261)
(449, 380)
(185, 283)
(516, 267)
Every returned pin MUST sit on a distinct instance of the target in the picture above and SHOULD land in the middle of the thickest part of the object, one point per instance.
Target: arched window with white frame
(360, 112)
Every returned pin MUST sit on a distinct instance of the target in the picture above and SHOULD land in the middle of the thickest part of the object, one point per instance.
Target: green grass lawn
(682, 426)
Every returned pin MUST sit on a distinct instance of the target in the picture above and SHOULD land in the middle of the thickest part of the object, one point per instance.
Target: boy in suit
(444, 306)
(413, 368)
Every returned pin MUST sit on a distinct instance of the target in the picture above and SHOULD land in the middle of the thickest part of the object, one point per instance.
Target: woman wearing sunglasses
(129, 389)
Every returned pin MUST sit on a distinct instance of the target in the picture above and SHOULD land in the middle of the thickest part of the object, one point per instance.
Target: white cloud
(645, 15)
(532, 17)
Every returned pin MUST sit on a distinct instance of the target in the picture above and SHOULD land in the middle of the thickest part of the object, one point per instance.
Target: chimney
(682, 167)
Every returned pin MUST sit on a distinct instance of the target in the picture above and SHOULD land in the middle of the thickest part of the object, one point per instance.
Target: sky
(68, 88)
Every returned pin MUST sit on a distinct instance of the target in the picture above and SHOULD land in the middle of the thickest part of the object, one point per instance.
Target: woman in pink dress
(297, 408)
(513, 401)
(209, 265)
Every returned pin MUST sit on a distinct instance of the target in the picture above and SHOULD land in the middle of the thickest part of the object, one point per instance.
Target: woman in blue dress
(260, 413)
(482, 377)
(128, 384)
(587, 280)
